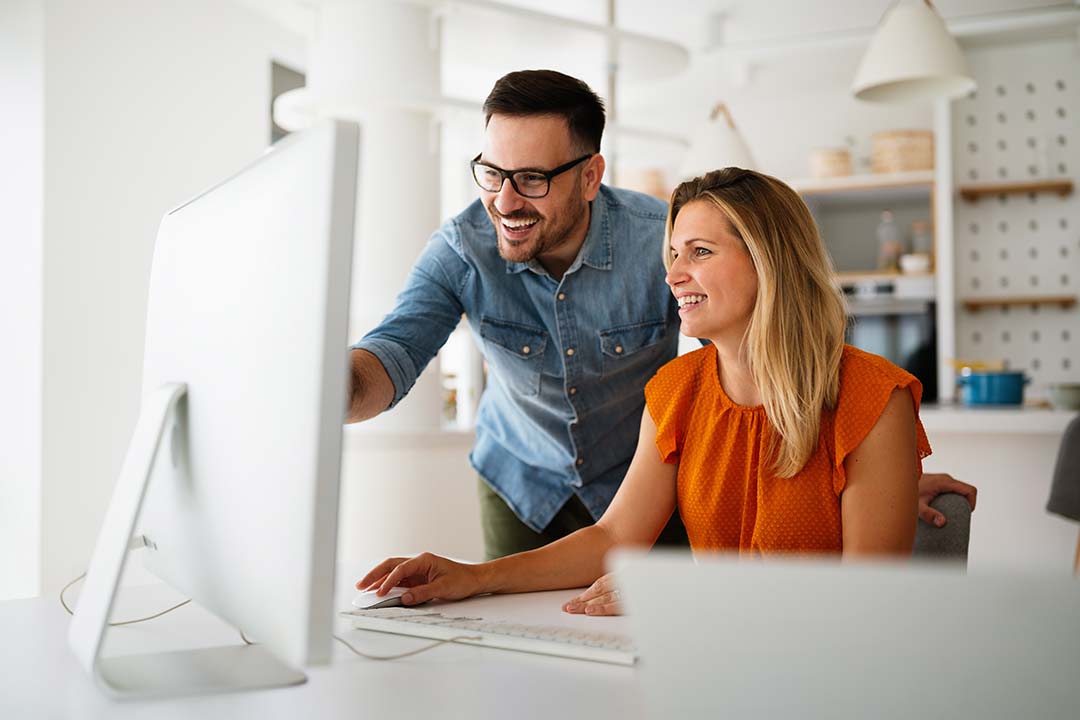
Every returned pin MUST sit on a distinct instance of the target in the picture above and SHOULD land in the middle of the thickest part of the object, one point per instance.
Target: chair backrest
(1065, 487)
(951, 541)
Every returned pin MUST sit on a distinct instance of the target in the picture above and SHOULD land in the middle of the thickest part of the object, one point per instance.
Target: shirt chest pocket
(515, 353)
(621, 347)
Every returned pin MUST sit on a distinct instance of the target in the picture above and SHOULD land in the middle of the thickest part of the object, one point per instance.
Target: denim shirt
(567, 360)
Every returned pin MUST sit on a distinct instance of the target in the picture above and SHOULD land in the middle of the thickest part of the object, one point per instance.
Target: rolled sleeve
(397, 363)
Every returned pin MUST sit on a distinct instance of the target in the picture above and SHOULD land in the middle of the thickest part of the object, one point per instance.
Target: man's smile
(516, 229)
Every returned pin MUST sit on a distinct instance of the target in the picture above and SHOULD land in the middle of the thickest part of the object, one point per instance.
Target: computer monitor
(723, 635)
(232, 473)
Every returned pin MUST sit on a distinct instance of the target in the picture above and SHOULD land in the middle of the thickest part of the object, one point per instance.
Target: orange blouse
(728, 495)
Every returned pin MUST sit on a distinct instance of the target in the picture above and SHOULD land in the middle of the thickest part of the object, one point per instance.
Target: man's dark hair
(547, 92)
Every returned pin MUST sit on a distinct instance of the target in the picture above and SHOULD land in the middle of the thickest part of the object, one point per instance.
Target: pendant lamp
(719, 144)
(912, 58)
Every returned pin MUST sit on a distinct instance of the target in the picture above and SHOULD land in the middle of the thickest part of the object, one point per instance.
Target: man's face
(528, 228)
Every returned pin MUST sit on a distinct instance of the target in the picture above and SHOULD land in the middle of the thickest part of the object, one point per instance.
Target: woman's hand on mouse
(427, 576)
(601, 598)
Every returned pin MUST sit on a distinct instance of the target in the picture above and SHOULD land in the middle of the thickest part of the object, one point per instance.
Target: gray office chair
(949, 542)
(1065, 488)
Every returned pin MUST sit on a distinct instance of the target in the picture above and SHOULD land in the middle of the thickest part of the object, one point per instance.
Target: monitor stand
(183, 672)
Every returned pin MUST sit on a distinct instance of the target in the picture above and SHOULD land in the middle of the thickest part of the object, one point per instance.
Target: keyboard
(556, 640)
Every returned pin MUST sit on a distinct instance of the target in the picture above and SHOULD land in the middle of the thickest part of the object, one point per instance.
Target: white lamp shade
(717, 145)
(912, 58)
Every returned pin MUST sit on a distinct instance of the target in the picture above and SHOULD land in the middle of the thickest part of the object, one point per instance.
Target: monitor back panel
(816, 639)
(248, 306)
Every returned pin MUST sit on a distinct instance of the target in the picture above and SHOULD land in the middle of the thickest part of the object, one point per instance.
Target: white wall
(147, 103)
(21, 205)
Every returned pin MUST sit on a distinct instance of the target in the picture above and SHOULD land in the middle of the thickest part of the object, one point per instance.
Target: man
(561, 281)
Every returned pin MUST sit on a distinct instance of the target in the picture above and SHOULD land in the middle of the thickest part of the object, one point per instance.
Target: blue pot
(992, 388)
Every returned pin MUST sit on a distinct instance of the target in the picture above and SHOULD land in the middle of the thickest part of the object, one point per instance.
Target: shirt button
(572, 391)
(569, 352)
(526, 350)
(618, 349)
(562, 296)
(580, 462)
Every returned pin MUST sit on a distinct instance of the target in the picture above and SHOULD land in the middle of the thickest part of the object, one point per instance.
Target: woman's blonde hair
(796, 332)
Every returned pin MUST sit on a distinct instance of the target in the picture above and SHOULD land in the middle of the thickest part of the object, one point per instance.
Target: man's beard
(548, 234)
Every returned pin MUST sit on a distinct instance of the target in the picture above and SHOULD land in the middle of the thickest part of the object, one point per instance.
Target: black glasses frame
(509, 174)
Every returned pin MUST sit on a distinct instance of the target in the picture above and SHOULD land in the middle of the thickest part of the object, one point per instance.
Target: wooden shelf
(976, 304)
(972, 193)
(867, 188)
(851, 276)
(855, 277)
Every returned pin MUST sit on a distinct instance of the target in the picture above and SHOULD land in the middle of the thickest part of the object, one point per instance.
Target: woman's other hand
(601, 598)
(427, 576)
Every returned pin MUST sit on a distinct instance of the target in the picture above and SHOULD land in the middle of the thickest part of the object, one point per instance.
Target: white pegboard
(1023, 123)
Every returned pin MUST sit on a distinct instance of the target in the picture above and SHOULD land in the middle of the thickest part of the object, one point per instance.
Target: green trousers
(505, 534)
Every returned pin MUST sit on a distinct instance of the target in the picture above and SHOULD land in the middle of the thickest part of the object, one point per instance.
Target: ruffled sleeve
(866, 384)
(668, 398)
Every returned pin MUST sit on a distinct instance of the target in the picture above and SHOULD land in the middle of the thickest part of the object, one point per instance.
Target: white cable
(122, 622)
(417, 651)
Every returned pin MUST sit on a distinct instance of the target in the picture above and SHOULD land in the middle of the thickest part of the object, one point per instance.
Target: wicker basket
(644, 180)
(902, 151)
(830, 162)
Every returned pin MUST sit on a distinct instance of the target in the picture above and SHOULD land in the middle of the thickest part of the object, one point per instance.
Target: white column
(374, 62)
(944, 249)
(406, 486)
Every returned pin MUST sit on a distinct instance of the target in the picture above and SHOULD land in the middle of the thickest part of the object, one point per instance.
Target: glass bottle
(890, 244)
(921, 239)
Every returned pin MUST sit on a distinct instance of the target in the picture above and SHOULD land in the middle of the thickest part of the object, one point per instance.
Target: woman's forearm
(573, 561)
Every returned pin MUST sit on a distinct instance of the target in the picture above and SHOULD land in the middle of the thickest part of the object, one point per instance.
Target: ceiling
(736, 50)
(687, 21)
(716, 37)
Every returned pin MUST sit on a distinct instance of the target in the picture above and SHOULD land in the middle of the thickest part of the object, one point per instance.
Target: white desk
(39, 677)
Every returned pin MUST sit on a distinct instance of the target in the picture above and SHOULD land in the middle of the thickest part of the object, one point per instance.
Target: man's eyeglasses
(527, 183)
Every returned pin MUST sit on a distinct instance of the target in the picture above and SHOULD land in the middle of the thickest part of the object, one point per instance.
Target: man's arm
(933, 484)
(385, 364)
(370, 389)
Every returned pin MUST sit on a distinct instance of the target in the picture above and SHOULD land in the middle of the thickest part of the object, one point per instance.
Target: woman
(776, 438)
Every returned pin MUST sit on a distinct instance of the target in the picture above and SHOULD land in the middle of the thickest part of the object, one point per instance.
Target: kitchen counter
(994, 419)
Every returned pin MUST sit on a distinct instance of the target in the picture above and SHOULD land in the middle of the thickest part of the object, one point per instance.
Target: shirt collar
(595, 251)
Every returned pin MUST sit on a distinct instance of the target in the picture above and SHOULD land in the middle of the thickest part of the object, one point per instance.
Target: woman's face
(711, 275)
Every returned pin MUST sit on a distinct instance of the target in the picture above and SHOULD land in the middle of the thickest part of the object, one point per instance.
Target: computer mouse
(368, 600)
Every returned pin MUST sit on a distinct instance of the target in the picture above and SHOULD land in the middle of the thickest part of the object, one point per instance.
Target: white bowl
(1065, 396)
(914, 263)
